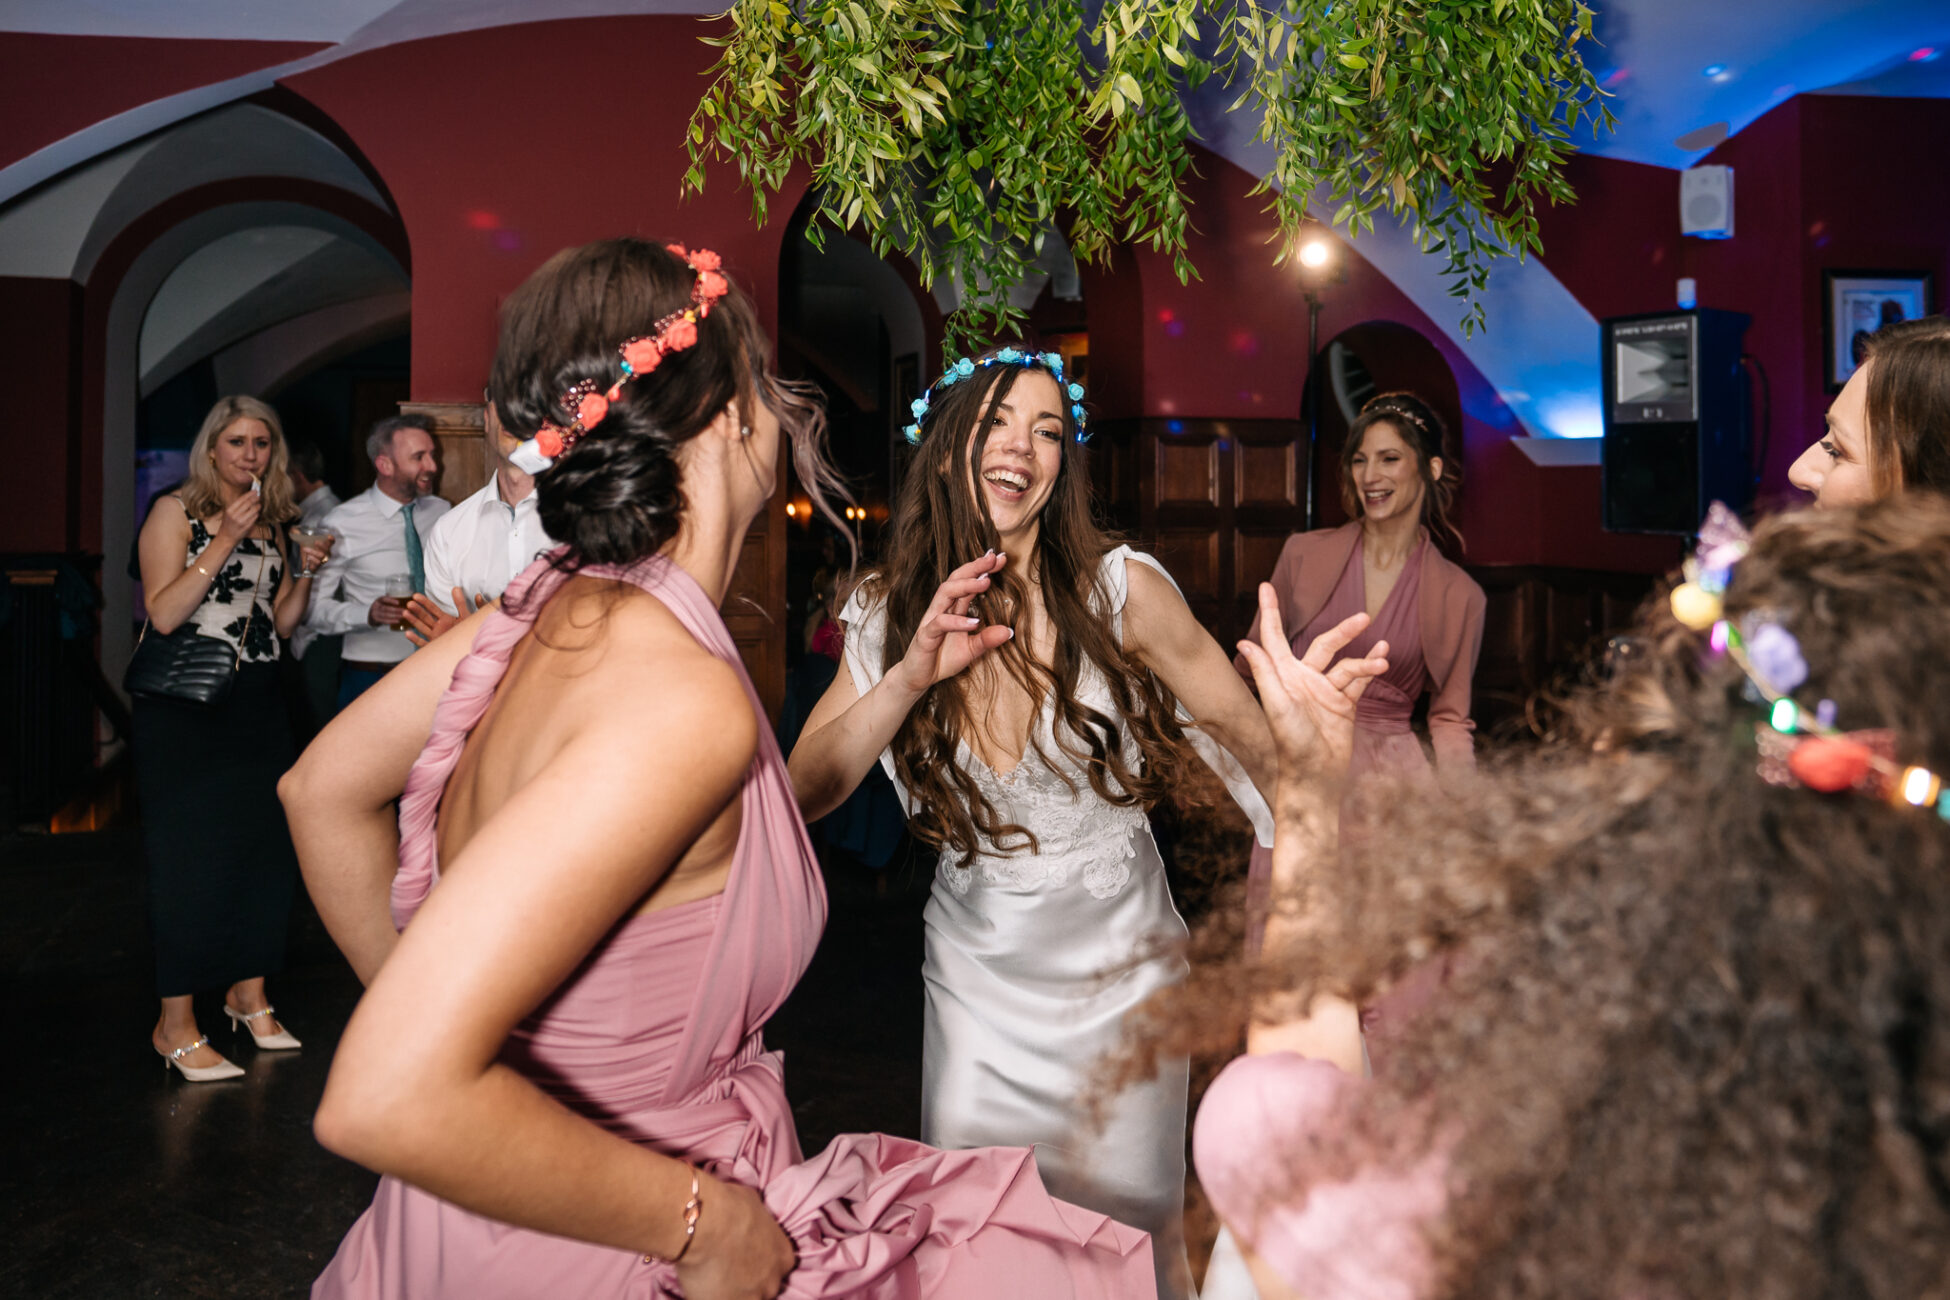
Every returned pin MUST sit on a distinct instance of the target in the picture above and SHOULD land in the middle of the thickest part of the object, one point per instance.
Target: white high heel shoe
(223, 1069)
(282, 1041)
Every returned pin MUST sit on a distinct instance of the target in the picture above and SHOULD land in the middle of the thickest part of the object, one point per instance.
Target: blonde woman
(221, 871)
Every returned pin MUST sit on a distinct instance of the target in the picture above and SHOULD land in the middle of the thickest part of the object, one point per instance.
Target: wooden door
(1214, 500)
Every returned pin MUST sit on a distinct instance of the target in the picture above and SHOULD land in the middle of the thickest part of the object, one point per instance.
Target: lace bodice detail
(1078, 835)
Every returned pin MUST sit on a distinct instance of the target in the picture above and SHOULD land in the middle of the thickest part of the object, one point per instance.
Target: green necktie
(416, 562)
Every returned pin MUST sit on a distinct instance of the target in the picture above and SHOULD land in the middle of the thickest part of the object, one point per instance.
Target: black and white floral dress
(221, 870)
(250, 577)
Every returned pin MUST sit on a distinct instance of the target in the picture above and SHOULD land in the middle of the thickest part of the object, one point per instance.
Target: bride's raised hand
(948, 638)
(1309, 704)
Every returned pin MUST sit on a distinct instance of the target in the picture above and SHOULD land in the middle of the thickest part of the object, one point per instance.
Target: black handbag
(185, 666)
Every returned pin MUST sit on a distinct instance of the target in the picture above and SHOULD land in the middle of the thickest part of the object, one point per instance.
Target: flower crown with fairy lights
(586, 406)
(1796, 748)
(964, 368)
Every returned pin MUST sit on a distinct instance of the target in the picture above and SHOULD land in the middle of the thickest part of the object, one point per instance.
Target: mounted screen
(1654, 371)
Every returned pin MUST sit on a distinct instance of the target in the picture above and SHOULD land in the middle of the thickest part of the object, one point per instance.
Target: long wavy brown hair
(941, 521)
(1694, 1037)
(1426, 434)
(1908, 407)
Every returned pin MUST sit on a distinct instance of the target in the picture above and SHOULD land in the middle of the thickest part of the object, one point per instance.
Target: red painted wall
(53, 86)
(40, 336)
(1618, 248)
(1874, 194)
(1233, 343)
(1764, 271)
(1823, 181)
(495, 168)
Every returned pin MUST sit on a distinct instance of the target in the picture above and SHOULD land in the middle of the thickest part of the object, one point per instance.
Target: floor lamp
(1320, 266)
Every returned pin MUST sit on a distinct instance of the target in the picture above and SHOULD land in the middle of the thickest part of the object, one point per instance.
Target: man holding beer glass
(379, 559)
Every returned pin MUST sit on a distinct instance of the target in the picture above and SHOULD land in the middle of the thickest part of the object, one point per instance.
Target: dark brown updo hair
(1908, 415)
(616, 496)
(1423, 430)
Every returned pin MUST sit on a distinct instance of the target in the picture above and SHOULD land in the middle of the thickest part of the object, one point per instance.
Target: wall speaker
(1676, 427)
(1706, 202)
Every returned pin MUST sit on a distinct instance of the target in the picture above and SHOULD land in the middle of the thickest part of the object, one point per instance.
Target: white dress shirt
(318, 503)
(482, 544)
(371, 548)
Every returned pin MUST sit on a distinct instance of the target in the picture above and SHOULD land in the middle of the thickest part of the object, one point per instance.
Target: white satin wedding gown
(1033, 961)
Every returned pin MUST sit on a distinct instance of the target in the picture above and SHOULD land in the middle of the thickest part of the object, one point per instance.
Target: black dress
(221, 867)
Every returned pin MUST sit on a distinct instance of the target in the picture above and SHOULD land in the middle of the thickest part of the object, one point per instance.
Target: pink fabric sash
(872, 1216)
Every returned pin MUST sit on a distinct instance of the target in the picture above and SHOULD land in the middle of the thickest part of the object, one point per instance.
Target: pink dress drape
(1384, 737)
(657, 1037)
(1384, 740)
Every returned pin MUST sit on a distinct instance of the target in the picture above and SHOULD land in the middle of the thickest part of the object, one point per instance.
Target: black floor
(118, 1180)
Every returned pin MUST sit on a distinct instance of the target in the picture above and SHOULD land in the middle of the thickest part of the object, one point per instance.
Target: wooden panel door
(754, 608)
(1213, 499)
(460, 440)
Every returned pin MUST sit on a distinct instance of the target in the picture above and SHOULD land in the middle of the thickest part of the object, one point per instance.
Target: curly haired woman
(1696, 1039)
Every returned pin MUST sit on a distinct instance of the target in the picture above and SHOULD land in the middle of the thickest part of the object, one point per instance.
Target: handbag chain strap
(263, 558)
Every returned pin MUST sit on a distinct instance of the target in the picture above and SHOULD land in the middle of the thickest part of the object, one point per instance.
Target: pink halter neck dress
(657, 1037)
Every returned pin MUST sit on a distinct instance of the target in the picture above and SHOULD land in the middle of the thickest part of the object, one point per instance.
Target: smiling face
(412, 468)
(1015, 470)
(1388, 480)
(242, 452)
(1835, 470)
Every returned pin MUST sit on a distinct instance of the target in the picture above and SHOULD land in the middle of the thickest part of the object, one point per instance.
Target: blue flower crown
(962, 369)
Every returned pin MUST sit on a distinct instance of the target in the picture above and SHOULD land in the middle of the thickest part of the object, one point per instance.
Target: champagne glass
(312, 535)
(399, 587)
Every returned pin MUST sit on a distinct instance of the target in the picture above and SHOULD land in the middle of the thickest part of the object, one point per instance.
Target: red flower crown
(586, 406)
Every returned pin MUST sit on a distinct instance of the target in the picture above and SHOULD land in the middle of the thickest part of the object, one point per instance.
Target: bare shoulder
(1156, 618)
(1148, 590)
(168, 514)
(633, 672)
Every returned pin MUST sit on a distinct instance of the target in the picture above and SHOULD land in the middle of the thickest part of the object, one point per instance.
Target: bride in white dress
(1031, 705)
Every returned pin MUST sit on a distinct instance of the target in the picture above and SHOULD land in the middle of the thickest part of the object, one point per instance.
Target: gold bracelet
(692, 1209)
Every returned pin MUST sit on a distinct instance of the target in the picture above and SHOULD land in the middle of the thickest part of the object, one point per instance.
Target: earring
(744, 430)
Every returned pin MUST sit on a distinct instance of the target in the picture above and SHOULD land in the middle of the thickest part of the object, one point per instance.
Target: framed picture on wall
(1855, 304)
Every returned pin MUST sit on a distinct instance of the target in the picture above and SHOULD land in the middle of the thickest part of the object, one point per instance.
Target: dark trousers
(354, 682)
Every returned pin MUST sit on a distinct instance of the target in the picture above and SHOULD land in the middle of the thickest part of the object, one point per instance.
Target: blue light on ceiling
(1714, 70)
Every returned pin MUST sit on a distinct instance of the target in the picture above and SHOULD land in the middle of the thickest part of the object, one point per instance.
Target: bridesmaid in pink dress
(603, 888)
(1397, 485)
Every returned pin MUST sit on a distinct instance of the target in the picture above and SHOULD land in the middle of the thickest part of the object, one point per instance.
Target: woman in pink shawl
(601, 887)
(1387, 562)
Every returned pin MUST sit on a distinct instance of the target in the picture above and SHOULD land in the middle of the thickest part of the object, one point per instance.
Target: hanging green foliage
(961, 136)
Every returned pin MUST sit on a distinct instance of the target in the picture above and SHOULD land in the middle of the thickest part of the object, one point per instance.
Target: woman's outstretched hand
(948, 639)
(1310, 705)
(741, 1252)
